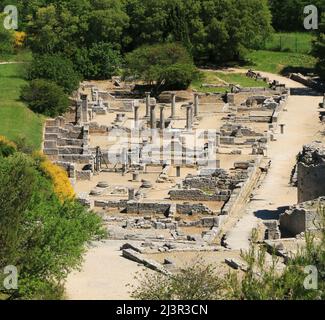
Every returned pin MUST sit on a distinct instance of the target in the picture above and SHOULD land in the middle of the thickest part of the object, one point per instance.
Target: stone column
(189, 116)
(131, 194)
(147, 104)
(178, 171)
(173, 112)
(84, 108)
(153, 122)
(282, 128)
(218, 139)
(162, 118)
(196, 104)
(136, 117)
(324, 101)
(135, 176)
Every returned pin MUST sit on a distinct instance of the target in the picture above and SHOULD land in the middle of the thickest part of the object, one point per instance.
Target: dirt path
(105, 274)
(301, 126)
(11, 62)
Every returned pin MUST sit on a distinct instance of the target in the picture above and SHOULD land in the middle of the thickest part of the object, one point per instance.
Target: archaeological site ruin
(174, 175)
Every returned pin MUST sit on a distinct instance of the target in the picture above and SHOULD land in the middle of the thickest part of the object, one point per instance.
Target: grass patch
(280, 62)
(20, 56)
(16, 119)
(241, 79)
(290, 42)
(220, 78)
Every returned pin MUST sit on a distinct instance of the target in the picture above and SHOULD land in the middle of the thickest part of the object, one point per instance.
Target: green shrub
(100, 61)
(7, 148)
(7, 38)
(164, 66)
(43, 237)
(54, 67)
(45, 97)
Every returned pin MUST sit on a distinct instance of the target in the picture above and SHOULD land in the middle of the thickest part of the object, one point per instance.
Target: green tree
(289, 15)
(38, 230)
(107, 21)
(100, 61)
(55, 68)
(319, 49)
(45, 97)
(7, 38)
(162, 66)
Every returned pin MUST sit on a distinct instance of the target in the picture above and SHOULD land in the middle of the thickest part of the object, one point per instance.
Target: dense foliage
(45, 97)
(100, 61)
(319, 49)
(96, 34)
(55, 68)
(7, 38)
(7, 147)
(165, 66)
(289, 15)
(41, 234)
(212, 30)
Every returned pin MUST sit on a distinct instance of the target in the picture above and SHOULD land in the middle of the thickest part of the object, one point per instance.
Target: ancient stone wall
(302, 217)
(311, 172)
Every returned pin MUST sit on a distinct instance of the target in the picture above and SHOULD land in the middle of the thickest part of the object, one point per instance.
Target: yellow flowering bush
(20, 38)
(62, 184)
(7, 147)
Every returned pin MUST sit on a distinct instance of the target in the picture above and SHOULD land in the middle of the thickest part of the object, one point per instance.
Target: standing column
(173, 113)
(189, 114)
(147, 104)
(196, 104)
(136, 117)
(84, 108)
(153, 122)
(162, 118)
(324, 101)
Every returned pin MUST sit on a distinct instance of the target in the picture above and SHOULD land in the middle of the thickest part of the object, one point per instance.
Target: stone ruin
(149, 189)
(303, 217)
(311, 172)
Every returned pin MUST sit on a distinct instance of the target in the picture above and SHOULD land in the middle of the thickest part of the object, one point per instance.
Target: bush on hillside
(54, 67)
(45, 97)
(165, 66)
(100, 61)
(39, 234)
(7, 147)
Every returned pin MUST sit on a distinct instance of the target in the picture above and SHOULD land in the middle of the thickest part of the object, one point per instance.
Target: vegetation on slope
(17, 121)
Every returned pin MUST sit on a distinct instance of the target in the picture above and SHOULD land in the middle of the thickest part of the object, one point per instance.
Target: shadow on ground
(270, 214)
(305, 92)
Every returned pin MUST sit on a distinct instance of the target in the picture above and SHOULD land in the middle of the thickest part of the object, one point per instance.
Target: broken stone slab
(169, 261)
(235, 264)
(96, 192)
(102, 184)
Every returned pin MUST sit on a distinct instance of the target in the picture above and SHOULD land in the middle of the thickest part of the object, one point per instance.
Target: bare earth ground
(105, 273)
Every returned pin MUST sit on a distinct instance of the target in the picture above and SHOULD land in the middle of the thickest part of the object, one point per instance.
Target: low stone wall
(304, 217)
(195, 195)
(193, 208)
(241, 194)
(307, 81)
